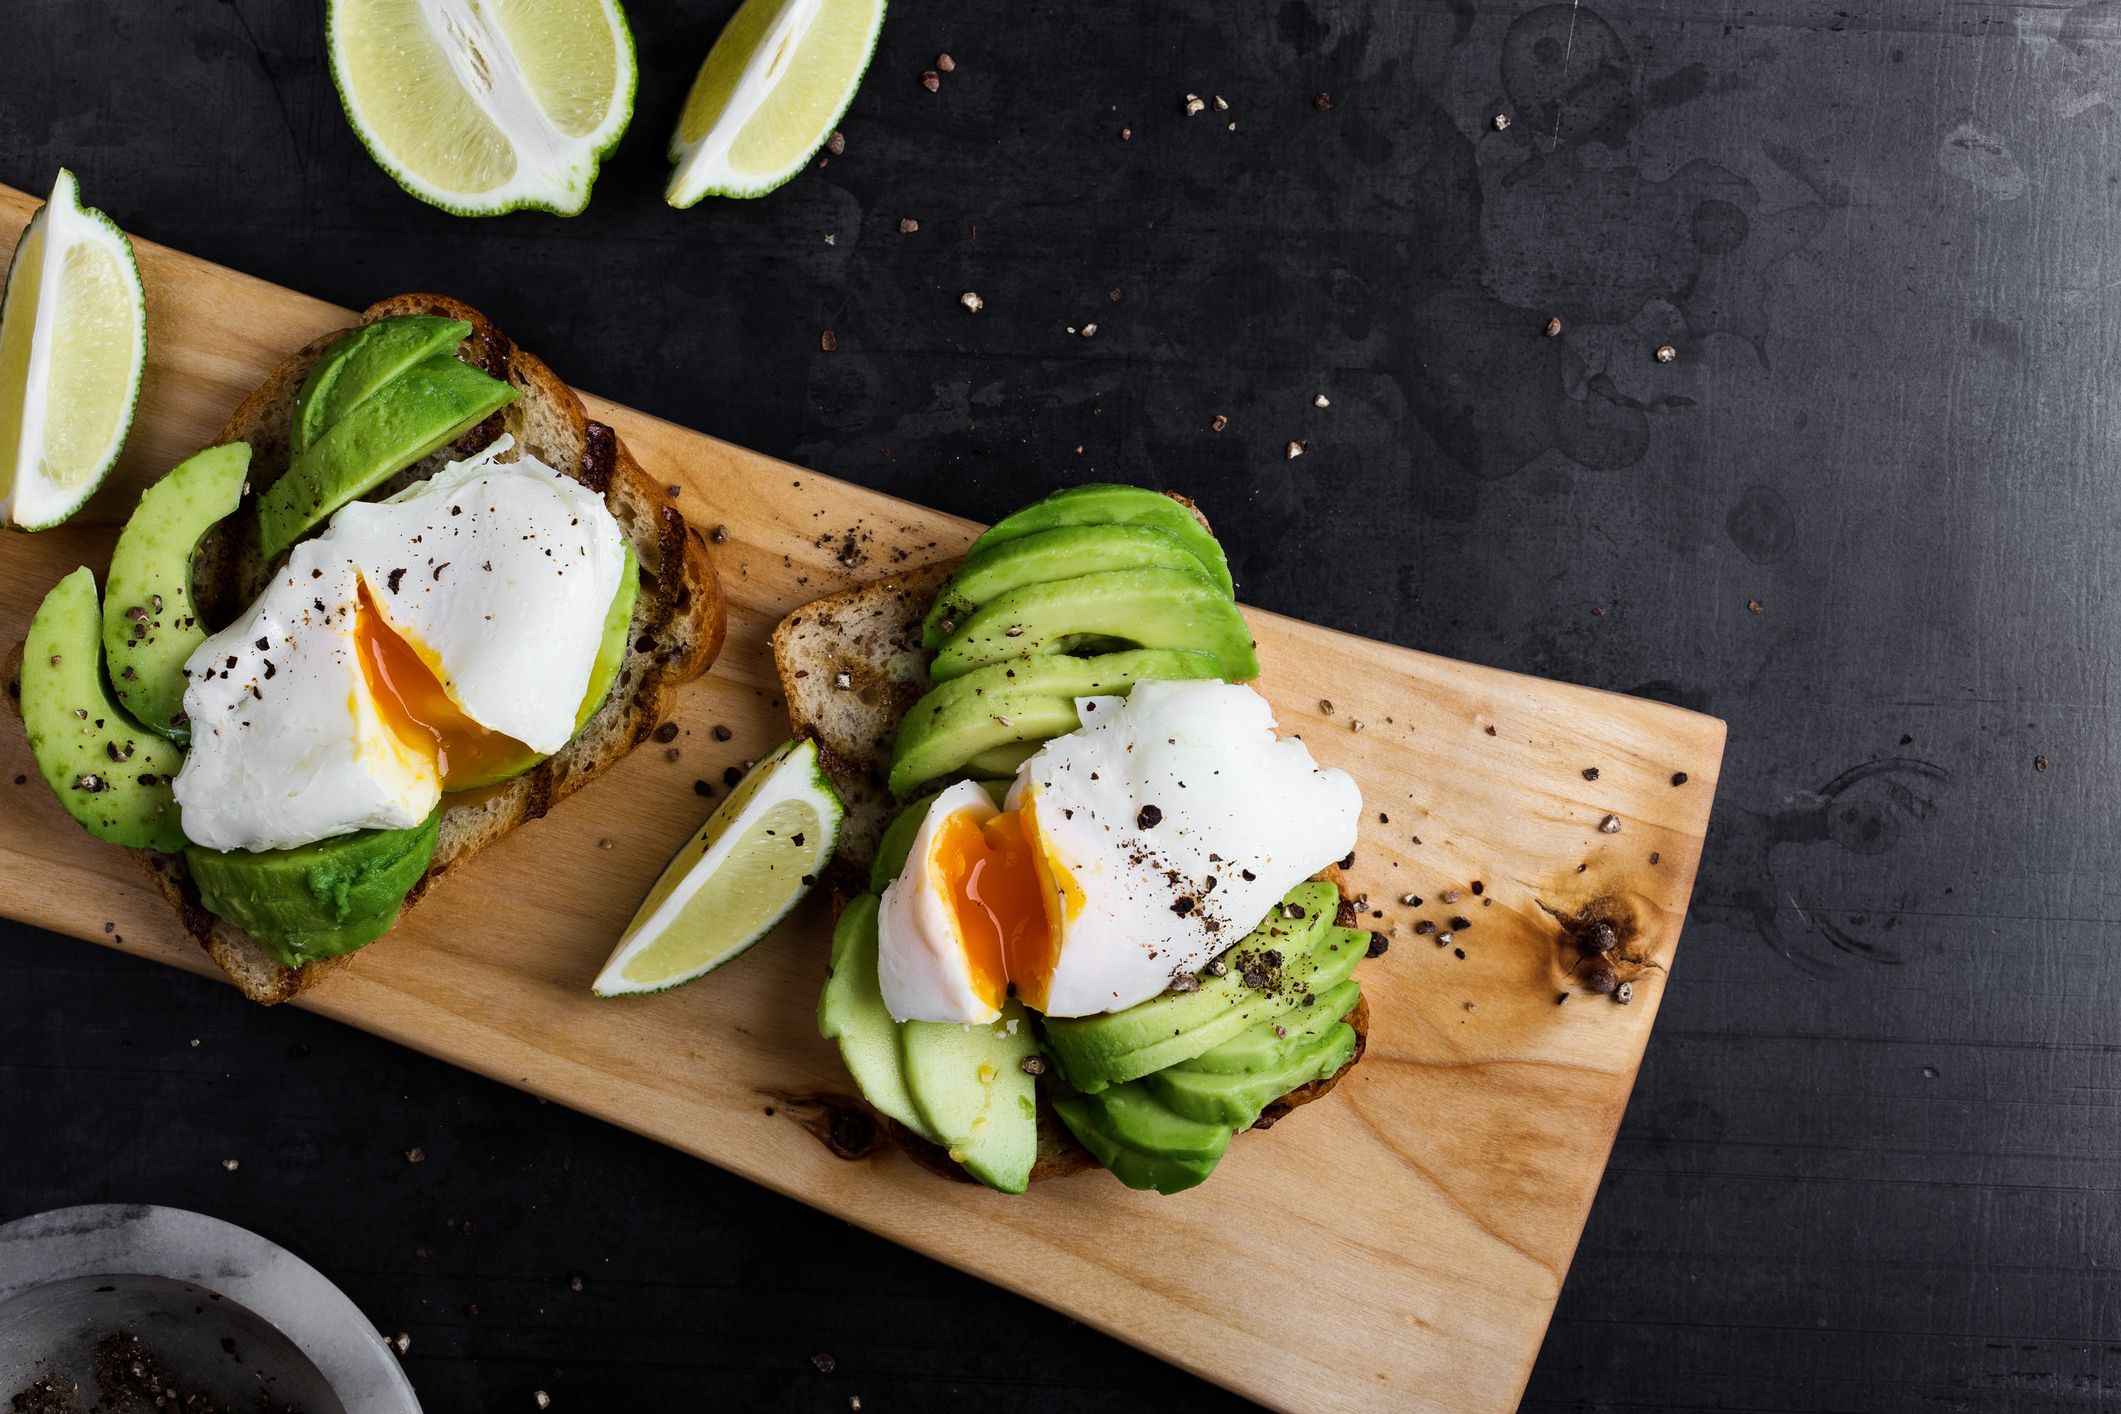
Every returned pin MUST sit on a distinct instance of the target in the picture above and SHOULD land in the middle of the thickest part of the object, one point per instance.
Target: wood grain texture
(1399, 1245)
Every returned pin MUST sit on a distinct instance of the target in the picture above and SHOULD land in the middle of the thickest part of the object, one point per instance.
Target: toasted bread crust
(678, 622)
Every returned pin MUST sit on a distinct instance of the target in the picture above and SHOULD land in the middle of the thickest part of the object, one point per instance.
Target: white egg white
(921, 965)
(498, 574)
(1171, 821)
(1239, 818)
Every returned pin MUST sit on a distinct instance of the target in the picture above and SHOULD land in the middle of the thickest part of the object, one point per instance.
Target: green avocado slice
(1097, 1051)
(1142, 1141)
(1108, 504)
(1024, 700)
(970, 1085)
(425, 407)
(1258, 1047)
(109, 772)
(850, 1010)
(362, 361)
(1149, 608)
(1236, 1098)
(150, 625)
(1060, 553)
(316, 900)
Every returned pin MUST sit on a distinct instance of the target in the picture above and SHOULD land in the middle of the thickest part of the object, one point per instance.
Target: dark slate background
(1872, 1160)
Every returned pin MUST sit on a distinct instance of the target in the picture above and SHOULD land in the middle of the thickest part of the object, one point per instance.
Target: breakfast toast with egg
(851, 664)
(676, 629)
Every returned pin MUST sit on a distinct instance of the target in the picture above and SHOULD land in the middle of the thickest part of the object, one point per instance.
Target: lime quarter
(73, 347)
(485, 106)
(753, 861)
(771, 91)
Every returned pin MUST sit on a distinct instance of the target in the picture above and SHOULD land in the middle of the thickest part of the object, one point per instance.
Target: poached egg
(425, 639)
(1126, 853)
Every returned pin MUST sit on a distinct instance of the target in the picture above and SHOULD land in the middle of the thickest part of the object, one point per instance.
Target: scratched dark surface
(1872, 1160)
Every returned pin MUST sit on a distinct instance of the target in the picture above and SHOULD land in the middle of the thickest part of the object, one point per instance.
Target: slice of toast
(851, 665)
(677, 627)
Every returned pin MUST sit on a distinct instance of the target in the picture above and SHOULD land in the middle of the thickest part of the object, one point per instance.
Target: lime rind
(793, 773)
(701, 168)
(65, 222)
(561, 188)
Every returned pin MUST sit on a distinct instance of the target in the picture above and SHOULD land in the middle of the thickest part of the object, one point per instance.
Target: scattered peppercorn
(1678, 778)
(1323, 103)
(1590, 773)
(1148, 818)
(1379, 943)
(1603, 980)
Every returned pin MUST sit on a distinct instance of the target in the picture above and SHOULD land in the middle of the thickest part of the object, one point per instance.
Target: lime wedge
(485, 106)
(748, 866)
(73, 344)
(772, 89)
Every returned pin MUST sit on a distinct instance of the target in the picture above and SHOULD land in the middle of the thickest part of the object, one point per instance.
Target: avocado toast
(975, 670)
(423, 389)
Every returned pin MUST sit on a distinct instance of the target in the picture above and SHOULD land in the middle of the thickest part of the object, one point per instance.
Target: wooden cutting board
(1398, 1245)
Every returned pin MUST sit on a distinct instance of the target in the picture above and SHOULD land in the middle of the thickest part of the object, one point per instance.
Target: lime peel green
(486, 106)
(757, 856)
(770, 92)
(73, 349)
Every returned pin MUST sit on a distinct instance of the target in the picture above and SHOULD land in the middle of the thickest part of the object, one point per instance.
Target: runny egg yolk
(1007, 900)
(415, 707)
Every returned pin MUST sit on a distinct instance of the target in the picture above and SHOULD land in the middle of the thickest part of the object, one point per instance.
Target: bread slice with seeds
(851, 665)
(677, 628)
